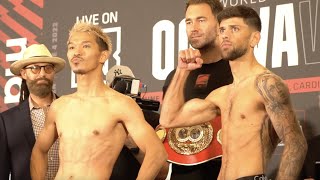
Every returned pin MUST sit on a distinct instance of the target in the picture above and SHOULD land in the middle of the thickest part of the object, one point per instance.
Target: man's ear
(23, 74)
(255, 38)
(104, 56)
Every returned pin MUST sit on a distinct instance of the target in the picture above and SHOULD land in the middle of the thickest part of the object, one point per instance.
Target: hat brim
(58, 63)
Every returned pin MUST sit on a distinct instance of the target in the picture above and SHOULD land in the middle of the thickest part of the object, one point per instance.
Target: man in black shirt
(201, 26)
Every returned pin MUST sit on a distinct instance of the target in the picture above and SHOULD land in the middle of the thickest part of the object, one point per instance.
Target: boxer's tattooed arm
(277, 103)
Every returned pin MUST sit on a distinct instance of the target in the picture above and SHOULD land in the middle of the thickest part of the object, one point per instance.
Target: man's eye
(35, 67)
(86, 46)
(235, 29)
(70, 47)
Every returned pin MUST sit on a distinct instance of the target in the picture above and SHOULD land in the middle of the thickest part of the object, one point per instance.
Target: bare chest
(86, 119)
(242, 103)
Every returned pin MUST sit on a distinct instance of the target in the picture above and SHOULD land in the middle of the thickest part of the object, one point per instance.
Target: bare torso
(91, 136)
(244, 143)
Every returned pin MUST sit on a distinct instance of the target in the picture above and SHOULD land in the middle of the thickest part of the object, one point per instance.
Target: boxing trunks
(254, 177)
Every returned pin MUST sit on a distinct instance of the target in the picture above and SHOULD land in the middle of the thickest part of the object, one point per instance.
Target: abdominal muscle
(242, 151)
(87, 156)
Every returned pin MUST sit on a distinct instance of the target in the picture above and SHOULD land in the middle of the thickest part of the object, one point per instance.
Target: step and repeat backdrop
(147, 36)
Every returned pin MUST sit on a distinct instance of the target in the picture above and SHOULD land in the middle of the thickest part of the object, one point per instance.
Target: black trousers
(205, 171)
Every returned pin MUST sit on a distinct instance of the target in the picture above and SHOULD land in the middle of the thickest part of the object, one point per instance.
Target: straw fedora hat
(37, 53)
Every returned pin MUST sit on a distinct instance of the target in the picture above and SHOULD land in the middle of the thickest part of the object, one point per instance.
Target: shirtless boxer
(92, 123)
(255, 98)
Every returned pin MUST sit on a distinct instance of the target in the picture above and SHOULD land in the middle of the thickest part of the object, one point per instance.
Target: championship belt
(192, 145)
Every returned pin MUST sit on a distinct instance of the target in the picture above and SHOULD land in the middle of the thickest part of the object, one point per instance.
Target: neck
(41, 101)
(90, 85)
(210, 55)
(243, 67)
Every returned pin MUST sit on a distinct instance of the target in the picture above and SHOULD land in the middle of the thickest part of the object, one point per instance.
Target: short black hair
(249, 15)
(215, 5)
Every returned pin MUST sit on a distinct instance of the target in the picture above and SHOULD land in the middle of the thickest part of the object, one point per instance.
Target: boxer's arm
(146, 139)
(277, 102)
(39, 158)
(174, 99)
(175, 112)
(139, 155)
(134, 149)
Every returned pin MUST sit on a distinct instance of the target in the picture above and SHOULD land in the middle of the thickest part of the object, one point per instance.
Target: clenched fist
(189, 59)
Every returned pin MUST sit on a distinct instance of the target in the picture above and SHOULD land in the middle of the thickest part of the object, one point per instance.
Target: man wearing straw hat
(20, 125)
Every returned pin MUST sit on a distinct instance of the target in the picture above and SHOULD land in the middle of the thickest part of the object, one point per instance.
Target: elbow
(163, 165)
(156, 152)
(301, 146)
(165, 122)
(163, 156)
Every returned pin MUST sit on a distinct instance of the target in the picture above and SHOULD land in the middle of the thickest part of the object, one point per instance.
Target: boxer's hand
(189, 59)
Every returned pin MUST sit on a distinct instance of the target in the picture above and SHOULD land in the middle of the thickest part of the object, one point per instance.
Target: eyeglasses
(36, 69)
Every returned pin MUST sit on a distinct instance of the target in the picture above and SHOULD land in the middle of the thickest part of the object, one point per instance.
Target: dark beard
(234, 54)
(40, 90)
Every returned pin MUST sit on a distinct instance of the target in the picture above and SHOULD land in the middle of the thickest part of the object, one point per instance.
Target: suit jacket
(16, 142)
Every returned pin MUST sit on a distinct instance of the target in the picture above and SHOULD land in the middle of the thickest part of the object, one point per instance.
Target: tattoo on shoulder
(273, 90)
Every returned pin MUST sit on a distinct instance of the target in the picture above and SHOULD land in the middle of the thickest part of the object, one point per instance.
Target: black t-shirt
(202, 81)
(199, 84)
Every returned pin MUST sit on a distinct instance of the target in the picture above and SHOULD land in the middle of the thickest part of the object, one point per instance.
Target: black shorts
(254, 177)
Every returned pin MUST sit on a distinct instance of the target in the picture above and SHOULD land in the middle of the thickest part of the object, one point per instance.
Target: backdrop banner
(147, 36)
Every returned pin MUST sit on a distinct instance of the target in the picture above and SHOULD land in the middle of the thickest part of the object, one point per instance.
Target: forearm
(292, 158)
(163, 174)
(163, 171)
(38, 165)
(174, 97)
(152, 164)
(139, 156)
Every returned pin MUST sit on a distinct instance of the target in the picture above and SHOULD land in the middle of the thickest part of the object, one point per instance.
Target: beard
(205, 44)
(198, 44)
(234, 54)
(40, 90)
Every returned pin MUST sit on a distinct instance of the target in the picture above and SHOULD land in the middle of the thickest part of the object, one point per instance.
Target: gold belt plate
(190, 140)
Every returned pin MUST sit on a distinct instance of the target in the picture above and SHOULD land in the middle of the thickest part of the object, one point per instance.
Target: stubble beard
(206, 45)
(40, 90)
(234, 54)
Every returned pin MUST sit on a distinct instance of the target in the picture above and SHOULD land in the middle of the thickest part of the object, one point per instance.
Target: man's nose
(78, 51)
(225, 34)
(42, 72)
(195, 26)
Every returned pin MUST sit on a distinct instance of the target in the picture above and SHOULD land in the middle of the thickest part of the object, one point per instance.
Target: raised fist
(189, 59)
